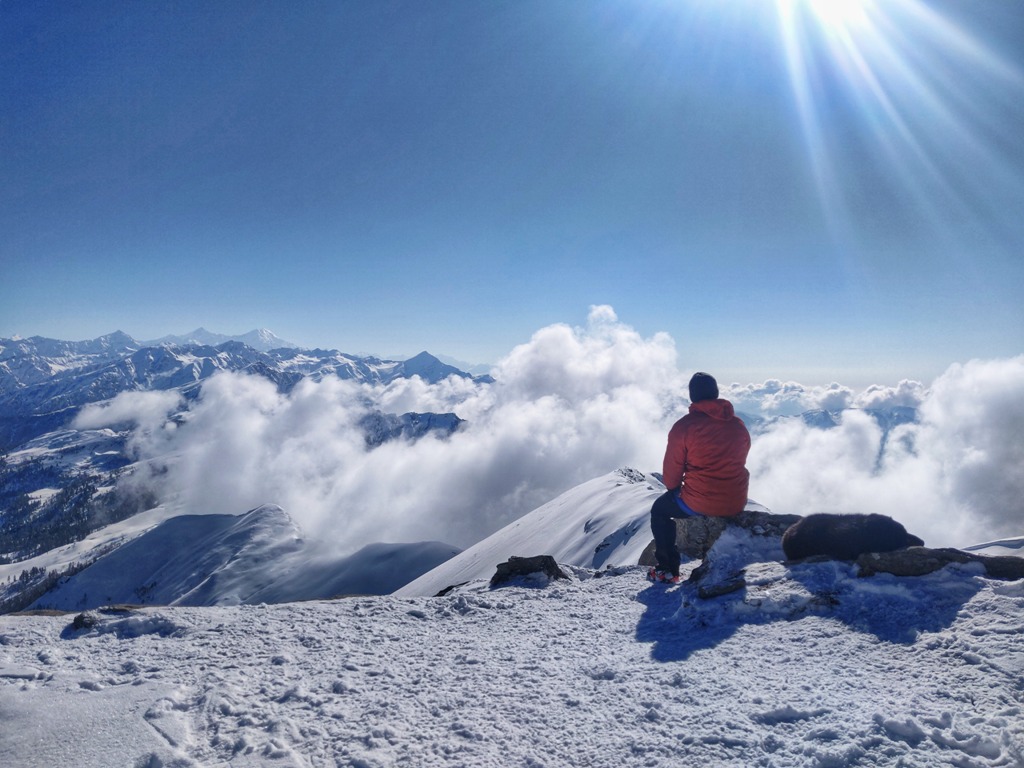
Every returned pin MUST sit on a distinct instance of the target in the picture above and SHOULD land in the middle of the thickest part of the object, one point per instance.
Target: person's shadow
(676, 631)
(678, 621)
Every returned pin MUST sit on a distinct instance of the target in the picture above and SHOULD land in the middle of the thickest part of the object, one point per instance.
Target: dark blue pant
(664, 512)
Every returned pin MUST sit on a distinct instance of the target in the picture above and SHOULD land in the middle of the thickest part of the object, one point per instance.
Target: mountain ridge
(262, 339)
(45, 382)
(62, 483)
(260, 556)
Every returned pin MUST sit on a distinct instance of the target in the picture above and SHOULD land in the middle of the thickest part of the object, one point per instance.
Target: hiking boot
(666, 577)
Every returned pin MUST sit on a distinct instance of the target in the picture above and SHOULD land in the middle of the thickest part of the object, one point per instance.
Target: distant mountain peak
(423, 357)
(260, 339)
(430, 368)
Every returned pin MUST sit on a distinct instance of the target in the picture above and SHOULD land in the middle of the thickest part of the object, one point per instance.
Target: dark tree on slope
(29, 527)
(33, 583)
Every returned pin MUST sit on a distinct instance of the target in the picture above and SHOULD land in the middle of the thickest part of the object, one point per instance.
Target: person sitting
(704, 471)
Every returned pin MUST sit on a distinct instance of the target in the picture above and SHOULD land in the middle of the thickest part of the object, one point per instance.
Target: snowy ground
(806, 666)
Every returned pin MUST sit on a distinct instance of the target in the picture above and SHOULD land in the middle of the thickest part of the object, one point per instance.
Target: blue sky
(799, 189)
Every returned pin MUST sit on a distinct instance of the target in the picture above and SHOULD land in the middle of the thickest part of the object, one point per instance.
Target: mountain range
(259, 339)
(262, 556)
(162, 638)
(44, 383)
(68, 526)
(60, 484)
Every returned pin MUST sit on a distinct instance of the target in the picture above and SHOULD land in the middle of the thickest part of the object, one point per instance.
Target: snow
(59, 558)
(43, 494)
(260, 556)
(603, 522)
(805, 666)
(1013, 547)
(71, 447)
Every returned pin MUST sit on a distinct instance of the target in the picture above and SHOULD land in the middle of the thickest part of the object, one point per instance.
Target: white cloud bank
(956, 477)
(146, 410)
(778, 398)
(574, 403)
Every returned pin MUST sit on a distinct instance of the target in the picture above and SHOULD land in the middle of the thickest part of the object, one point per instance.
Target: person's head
(703, 387)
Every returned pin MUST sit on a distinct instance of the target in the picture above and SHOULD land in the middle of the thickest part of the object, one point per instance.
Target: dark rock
(1004, 567)
(696, 535)
(734, 583)
(918, 561)
(86, 620)
(118, 609)
(525, 566)
(845, 537)
(90, 619)
(450, 587)
(764, 523)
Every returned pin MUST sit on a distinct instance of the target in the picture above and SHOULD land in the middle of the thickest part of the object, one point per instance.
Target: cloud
(146, 410)
(955, 478)
(907, 393)
(972, 422)
(568, 405)
(775, 397)
(834, 397)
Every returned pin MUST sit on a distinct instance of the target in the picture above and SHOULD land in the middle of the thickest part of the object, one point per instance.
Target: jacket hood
(716, 409)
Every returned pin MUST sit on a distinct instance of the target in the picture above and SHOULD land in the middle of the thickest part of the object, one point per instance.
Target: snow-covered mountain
(44, 383)
(806, 664)
(258, 557)
(602, 523)
(60, 489)
(260, 339)
(24, 362)
(59, 483)
(262, 556)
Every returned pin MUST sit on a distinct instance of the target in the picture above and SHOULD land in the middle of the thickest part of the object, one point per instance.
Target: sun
(835, 15)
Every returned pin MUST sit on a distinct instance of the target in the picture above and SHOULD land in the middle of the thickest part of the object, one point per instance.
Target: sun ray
(918, 88)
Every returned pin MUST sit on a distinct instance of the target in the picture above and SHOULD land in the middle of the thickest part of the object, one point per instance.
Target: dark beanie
(703, 387)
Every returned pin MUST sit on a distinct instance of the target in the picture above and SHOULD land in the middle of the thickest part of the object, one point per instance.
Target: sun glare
(919, 91)
(835, 14)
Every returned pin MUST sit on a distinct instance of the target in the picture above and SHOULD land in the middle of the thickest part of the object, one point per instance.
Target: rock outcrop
(527, 566)
(845, 537)
(713, 577)
(696, 535)
(918, 561)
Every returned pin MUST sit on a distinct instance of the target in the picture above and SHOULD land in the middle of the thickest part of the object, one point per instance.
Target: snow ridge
(258, 557)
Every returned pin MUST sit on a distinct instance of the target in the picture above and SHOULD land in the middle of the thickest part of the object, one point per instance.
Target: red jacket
(707, 453)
